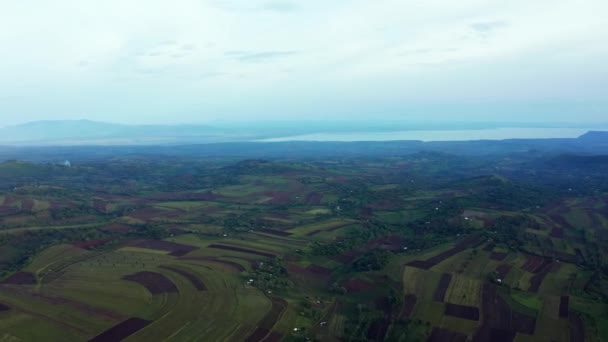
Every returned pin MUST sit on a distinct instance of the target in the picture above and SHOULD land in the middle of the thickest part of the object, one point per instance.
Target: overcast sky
(182, 61)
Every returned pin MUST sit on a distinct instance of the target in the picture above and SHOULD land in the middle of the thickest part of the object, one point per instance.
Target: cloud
(488, 26)
(280, 6)
(259, 56)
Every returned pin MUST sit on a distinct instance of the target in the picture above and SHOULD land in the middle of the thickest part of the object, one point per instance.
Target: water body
(444, 135)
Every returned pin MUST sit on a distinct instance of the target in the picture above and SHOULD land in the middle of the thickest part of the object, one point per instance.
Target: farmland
(422, 246)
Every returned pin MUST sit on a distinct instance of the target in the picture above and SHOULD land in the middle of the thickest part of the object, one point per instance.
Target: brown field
(462, 311)
(320, 270)
(156, 283)
(314, 198)
(577, 328)
(121, 330)
(91, 243)
(187, 196)
(147, 214)
(278, 197)
(564, 306)
(500, 323)
(242, 250)
(274, 336)
(378, 329)
(466, 243)
(262, 332)
(274, 232)
(557, 233)
(194, 280)
(317, 231)
(259, 334)
(21, 278)
(409, 302)
(175, 249)
(535, 264)
(442, 287)
(444, 335)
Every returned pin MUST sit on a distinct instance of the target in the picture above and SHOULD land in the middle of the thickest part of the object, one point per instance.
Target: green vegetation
(351, 249)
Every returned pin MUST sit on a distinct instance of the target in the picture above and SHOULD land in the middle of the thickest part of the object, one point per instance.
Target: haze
(167, 62)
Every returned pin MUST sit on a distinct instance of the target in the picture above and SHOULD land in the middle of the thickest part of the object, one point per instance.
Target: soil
(121, 330)
(156, 283)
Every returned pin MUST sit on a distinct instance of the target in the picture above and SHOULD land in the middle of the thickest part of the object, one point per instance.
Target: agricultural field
(423, 246)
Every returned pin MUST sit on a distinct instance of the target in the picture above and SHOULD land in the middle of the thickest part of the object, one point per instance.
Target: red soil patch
(270, 319)
(317, 231)
(499, 256)
(445, 335)
(500, 322)
(59, 204)
(320, 270)
(91, 243)
(278, 197)
(466, 243)
(538, 278)
(535, 264)
(4, 307)
(503, 270)
(121, 330)
(241, 250)
(557, 233)
(409, 302)
(357, 285)
(27, 204)
(393, 243)
(274, 232)
(259, 334)
(194, 280)
(5, 210)
(313, 198)
(156, 283)
(564, 306)
(21, 278)
(235, 265)
(186, 196)
(153, 213)
(100, 205)
(462, 311)
(577, 328)
(442, 287)
(378, 329)
(174, 249)
(274, 336)
(8, 200)
(117, 228)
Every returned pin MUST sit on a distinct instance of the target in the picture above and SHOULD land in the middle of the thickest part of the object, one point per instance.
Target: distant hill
(595, 136)
(93, 132)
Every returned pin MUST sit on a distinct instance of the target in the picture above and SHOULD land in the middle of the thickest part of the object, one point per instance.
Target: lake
(444, 135)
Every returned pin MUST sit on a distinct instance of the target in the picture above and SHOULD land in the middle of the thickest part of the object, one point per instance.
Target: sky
(198, 61)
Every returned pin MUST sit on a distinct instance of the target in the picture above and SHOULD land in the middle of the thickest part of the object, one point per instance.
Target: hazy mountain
(93, 132)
